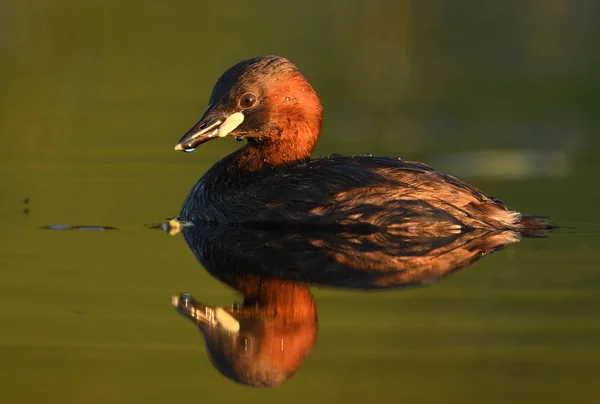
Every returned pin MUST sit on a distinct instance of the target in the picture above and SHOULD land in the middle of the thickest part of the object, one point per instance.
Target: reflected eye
(248, 100)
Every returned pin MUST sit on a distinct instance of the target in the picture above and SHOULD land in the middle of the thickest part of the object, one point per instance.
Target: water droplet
(239, 138)
(189, 150)
(186, 299)
(368, 154)
(287, 98)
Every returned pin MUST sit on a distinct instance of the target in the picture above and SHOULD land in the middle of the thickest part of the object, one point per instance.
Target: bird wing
(370, 190)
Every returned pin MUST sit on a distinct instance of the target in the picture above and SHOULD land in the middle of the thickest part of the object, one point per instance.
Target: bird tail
(535, 226)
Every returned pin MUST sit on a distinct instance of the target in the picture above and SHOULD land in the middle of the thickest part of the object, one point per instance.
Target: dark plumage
(272, 178)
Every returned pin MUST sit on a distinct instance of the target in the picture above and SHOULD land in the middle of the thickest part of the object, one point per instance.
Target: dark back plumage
(383, 192)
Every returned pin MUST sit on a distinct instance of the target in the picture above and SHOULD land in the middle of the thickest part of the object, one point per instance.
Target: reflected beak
(204, 315)
(211, 125)
(193, 310)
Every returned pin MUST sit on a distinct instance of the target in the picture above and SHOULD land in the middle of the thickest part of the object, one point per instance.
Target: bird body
(272, 179)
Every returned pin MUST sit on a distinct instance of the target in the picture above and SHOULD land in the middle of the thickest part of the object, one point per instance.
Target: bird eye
(248, 100)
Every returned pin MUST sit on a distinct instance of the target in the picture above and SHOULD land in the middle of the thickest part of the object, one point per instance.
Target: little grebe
(272, 179)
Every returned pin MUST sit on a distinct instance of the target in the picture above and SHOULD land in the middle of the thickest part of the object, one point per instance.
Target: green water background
(94, 95)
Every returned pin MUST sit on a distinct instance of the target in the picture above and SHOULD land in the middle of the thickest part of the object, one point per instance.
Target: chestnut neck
(292, 124)
(271, 154)
(277, 298)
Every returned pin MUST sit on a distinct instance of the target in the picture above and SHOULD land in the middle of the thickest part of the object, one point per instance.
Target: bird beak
(211, 125)
(203, 315)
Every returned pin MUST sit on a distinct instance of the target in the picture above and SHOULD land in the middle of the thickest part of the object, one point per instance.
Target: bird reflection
(263, 341)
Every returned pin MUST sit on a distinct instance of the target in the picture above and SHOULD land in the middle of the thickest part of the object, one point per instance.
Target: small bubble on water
(57, 227)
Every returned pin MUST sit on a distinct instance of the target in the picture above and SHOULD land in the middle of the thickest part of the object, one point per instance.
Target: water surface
(95, 95)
